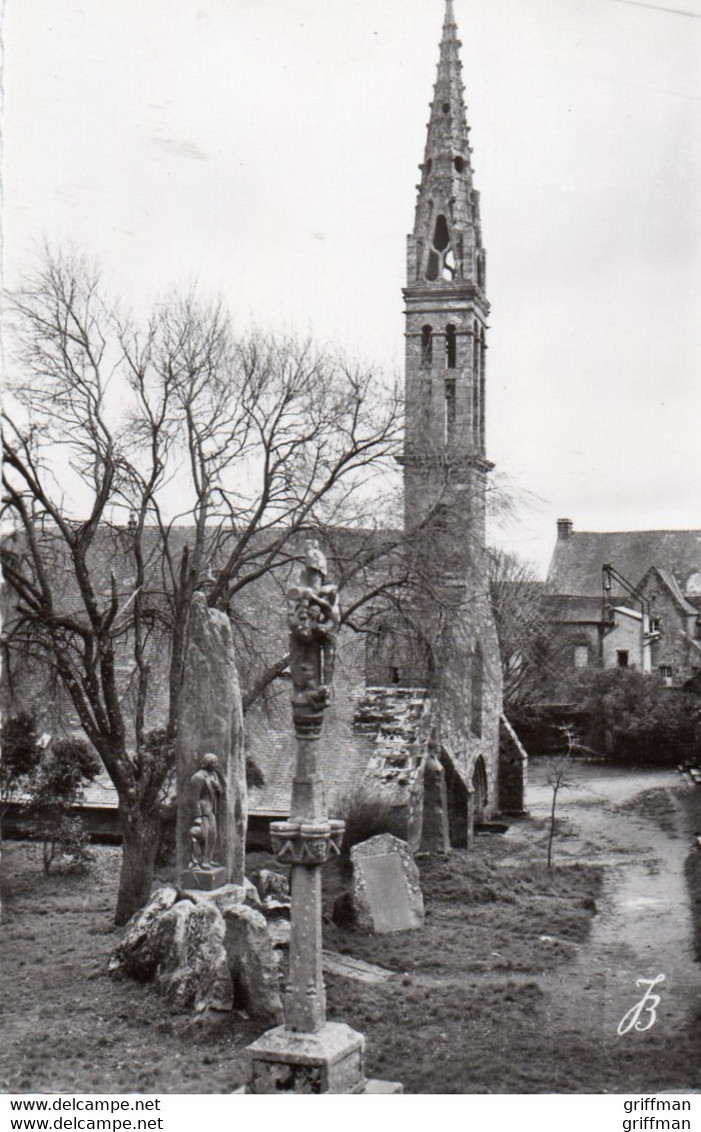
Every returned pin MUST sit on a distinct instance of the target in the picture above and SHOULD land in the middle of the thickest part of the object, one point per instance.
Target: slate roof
(573, 609)
(575, 568)
(258, 612)
(271, 743)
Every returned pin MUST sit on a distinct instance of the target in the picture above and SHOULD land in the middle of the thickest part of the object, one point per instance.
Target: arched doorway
(479, 791)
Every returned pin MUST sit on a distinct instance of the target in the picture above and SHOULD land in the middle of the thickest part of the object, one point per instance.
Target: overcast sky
(267, 150)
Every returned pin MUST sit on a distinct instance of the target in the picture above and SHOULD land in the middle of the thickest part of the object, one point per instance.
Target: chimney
(564, 528)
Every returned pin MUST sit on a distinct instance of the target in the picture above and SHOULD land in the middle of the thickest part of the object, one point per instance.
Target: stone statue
(208, 791)
(313, 618)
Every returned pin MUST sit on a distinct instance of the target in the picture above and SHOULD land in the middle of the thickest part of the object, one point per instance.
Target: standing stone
(435, 832)
(210, 722)
(386, 894)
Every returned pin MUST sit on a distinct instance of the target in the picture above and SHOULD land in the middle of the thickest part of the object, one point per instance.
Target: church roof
(259, 613)
(576, 563)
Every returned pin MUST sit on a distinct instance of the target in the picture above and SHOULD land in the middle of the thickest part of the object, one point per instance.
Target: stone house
(646, 616)
(422, 732)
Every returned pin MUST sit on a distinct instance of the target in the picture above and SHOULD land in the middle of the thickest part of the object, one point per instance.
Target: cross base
(328, 1061)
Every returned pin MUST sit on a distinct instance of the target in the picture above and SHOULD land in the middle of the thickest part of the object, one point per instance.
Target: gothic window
(451, 346)
(477, 691)
(382, 662)
(441, 261)
(449, 410)
(426, 345)
(441, 236)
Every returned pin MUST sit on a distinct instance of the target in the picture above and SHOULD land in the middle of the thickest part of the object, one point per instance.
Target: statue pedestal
(204, 880)
(328, 1061)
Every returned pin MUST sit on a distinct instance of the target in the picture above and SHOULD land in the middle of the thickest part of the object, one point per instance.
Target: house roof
(575, 568)
(573, 609)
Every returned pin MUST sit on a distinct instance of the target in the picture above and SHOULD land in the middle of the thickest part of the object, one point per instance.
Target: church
(417, 710)
(415, 718)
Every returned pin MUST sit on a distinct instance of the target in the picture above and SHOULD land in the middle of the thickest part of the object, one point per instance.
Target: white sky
(268, 151)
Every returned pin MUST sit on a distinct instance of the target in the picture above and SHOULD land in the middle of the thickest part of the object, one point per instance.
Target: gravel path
(631, 822)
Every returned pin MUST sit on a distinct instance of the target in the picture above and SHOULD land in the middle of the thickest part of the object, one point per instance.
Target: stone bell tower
(444, 460)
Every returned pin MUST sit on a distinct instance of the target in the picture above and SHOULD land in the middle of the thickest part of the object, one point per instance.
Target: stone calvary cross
(309, 1054)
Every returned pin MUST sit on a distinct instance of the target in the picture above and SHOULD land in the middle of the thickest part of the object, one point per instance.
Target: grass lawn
(484, 998)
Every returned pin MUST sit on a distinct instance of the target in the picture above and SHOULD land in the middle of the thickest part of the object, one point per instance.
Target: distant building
(645, 614)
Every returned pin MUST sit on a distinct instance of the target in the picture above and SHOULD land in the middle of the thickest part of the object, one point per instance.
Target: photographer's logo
(645, 1008)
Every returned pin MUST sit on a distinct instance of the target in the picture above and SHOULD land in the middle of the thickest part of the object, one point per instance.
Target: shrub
(20, 754)
(55, 789)
(366, 813)
(634, 718)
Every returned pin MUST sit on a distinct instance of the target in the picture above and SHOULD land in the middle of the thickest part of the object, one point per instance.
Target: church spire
(446, 314)
(447, 222)
(447, 128)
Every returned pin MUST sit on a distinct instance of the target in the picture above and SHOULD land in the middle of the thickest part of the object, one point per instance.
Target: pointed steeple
(446, 316)
(447, 223)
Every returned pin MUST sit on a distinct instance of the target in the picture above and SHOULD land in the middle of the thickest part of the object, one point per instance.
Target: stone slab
(327, 1061)
(204, 880)
(386, 891)
(387, 894)
(356, 969)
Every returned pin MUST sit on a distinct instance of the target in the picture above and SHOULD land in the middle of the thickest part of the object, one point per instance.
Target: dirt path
(630, 822)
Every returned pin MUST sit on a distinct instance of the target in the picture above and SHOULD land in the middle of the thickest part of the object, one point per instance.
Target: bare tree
(530, 652)
(559, 779)
(105, 423)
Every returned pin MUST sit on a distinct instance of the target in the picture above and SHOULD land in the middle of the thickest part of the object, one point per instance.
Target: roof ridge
(641, 531)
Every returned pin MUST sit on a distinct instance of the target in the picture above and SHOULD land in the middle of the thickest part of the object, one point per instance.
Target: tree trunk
(140, 839)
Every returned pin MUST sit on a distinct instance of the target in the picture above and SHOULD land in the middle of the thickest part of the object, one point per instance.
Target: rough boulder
(210, 951)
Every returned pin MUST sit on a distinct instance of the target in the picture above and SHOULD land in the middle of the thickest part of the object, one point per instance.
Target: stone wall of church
(469, 732)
